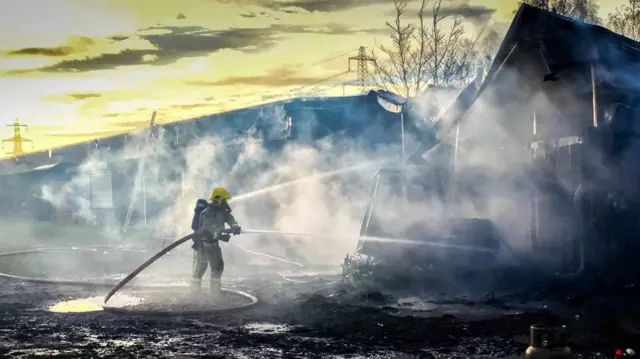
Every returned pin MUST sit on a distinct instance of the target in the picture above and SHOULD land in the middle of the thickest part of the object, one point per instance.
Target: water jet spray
(314, 177)
(404, 241)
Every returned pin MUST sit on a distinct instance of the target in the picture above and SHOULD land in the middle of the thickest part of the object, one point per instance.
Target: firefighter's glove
(236, 230)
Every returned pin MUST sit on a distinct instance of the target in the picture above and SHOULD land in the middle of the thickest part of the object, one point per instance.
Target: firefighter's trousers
(208, 255)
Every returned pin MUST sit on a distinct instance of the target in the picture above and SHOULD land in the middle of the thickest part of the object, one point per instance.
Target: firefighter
(209, 224)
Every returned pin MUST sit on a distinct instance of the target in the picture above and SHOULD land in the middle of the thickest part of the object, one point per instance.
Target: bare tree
(542, 4)
(583, 10)
(490, 42)
(401, 69)
(423, 53)
(625, 20)
(452, 53)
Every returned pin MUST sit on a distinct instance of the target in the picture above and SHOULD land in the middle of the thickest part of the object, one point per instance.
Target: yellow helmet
(218, 194)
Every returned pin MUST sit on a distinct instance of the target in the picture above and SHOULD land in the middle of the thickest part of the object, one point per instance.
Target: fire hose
(57, 281)
(114, 288)
(252, 300)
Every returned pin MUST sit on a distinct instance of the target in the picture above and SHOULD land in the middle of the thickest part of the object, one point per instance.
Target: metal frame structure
(140, 179)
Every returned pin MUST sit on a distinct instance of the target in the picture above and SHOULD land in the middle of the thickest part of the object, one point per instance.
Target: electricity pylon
(362, 67)
(17, 139)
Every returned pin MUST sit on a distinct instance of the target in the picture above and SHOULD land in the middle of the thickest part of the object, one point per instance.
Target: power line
(322, 62)
(296, 91)
(283, 96)
(333, 58)
(280, 95)
(319, 81)
(320, 91)
(326, 88)
(362, 59)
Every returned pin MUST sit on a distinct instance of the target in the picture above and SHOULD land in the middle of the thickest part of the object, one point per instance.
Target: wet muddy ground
(301, 320)
(311, 317)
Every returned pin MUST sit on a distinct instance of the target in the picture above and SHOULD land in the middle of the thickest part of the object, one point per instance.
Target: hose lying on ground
(57, 281)
(287, 277)
(111, 284)
(115, 287)
(252, 299)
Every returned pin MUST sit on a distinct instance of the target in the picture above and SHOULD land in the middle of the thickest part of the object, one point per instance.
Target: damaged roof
(562, 43)
(565, 40)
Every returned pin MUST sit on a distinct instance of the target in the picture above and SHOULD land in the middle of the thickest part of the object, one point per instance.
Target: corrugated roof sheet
(563, 41)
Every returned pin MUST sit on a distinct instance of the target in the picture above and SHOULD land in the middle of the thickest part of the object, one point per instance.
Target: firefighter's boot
(215, 288)
(195, 285)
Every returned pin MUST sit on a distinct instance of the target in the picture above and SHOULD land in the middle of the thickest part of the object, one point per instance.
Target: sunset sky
(78, 69)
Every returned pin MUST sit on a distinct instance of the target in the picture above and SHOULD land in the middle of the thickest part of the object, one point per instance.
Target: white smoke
(330, 205)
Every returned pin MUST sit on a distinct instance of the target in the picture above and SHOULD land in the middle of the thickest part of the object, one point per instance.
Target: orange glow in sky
(74, 70)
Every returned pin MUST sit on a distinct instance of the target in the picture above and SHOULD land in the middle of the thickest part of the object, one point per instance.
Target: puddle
(418, 307)
(93, 304)
(267, 328)
(416, 304)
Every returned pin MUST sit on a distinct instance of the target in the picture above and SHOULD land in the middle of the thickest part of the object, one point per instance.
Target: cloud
(192, 106)
(91, 135)
(291, 6)
(73, 97)
(465, 10)
(59, 51)
(251, 14)
(277, 77)
(84, 96)
(126, 123)
(264, 80)
(341, 29)
(171, 43)
(118, 38)
(101, 62)
(74, 45)
(270, 97)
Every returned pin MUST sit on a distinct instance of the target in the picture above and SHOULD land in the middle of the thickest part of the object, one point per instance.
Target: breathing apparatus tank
(548, 342)
(201, 204)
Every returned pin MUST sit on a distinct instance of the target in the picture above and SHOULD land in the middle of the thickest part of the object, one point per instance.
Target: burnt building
(362, 120)
(547, 147)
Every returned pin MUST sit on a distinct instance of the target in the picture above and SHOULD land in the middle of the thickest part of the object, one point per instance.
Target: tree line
(433, 47)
